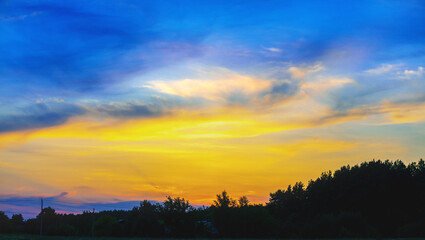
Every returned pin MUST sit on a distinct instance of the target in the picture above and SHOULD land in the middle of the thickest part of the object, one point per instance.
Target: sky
(114, 102)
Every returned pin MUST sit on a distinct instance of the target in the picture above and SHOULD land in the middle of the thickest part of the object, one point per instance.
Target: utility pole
(41, 218)
(92, 225)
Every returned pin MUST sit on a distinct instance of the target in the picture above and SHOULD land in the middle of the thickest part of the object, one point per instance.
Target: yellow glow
(190, 154)
(313, 145)
(404, 113)
(247, 150)
(230, 123)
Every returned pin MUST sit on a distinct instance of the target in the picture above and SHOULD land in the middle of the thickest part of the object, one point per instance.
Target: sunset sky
(120, 101)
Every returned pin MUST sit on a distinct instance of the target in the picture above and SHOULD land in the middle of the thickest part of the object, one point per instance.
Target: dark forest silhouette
(373, 199)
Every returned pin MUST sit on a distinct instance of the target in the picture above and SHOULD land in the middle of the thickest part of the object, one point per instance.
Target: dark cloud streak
(39, 116)
(125, 111)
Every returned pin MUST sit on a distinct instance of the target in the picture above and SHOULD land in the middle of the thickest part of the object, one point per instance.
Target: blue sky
(76, 49)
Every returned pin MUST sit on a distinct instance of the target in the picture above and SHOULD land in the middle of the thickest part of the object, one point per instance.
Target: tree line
(373, 199)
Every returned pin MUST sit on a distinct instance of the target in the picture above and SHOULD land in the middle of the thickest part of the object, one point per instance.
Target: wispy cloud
(39, 115)
(217, 88)
(384, 68)
(124, 110)
(326, 84)
(272, 49)
(407, 74)
(20, 17)
(302, 72)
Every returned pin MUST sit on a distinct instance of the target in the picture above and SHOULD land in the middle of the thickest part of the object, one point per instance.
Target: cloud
(54, 111)
(217, 88)
(407, 74)
(20, 17)
(39, 115)
(280, 92)
(384, 68)
(284, 88)
(385, 112)
(302, 72)
(397, 71)
(124, 110)
(326, 83)
(51, 99)
(394, 83)
(272, 49)
(223, 85)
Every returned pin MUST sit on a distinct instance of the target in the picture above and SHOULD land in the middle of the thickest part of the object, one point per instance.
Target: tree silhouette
(4, 223)
(17, 222)
(144, 220)
(224, 201)
(177, 215)
(243, 201)
(107, 226)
